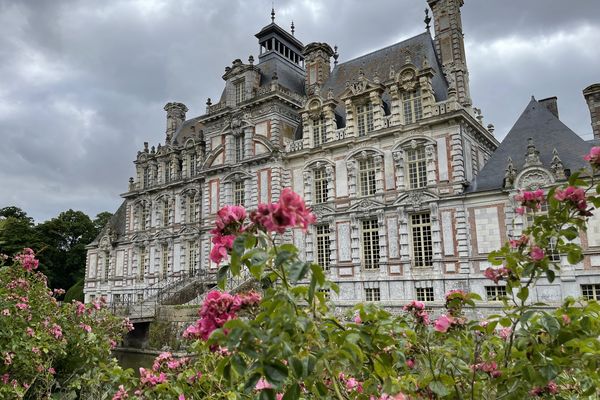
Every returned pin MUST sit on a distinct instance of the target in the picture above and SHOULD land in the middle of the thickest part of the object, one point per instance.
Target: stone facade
(386, 149)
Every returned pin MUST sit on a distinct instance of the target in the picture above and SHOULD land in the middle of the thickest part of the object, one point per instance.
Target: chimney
(592, 98)
(551, 103)
(175, 118)
(317, 58)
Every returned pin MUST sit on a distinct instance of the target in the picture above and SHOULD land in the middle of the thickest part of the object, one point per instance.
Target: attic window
(364, 113)
(240, 91)
(413, 110)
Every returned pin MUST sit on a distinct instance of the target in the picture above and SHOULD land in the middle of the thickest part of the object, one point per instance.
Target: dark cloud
(83, 83)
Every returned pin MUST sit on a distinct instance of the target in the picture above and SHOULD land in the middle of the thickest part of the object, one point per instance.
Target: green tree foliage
(59, 242)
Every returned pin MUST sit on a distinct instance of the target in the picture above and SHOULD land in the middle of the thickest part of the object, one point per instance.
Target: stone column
(398, 155)
(330, 183)
(431, 165)
(379, 178)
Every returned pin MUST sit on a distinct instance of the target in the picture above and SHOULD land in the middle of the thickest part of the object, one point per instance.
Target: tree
(102, 220)
(63, 240)
(16, 231)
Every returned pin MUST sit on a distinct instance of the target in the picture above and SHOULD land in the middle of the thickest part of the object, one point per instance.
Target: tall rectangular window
(319, 131)
(417, 168)
(166, 212)
(370, 243)
(413, 110)
(192, 257)
(421, 239)
(591, 292)
(164, 261)
(146, 182)
(320, 186)
(495, 293)
(425, 294)
(372, 294)
(240, 91)
(239, 193)
(366, 177)
(192, 205)
(323, 249)
(364, 119)
(141, 263)
(144, 217)
(106, 265)
(239, 148)
(167, 172)
(192, 166)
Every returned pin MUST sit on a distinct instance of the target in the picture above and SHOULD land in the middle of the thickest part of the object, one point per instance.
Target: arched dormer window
(167, 170)
(365, 173)
(364, 118)
(192, 163)
(318, 131)
(141, 215)
(411, 105)
(146, 177)
(415, 164)
(318, 182)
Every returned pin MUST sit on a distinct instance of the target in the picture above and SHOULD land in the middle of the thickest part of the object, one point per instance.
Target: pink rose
(537, 254)
(593, 156)
(443, 323)
(262, 384)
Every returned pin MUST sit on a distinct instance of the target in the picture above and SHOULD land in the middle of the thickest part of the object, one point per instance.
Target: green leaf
(523, 293)
(293, 392)
(570, 233)
(297, 367)
(298, 270)
(550, 275)
(318, 273)
(574, 255)
(550, 324)
(438, 388)
(222, 276)
(275, 372)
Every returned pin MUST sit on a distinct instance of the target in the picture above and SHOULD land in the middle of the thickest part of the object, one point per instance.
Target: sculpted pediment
(416, 199)
(322, 211)
(366, 205)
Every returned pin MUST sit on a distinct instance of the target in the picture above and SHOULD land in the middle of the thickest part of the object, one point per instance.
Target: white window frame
(416, 166)
(192, 165)
(323, 245)
(367, 177)
(166, 213)
(364, 118)
(412, 106)
(426, 294)
(369, 238)
(239, 149)
(164, 260)
(192, 206)
(319, 186)
(591, 291)
(372, 294)
(192, 260)
(422, 240)
(318, 129)
(240, 91)
(495, 293)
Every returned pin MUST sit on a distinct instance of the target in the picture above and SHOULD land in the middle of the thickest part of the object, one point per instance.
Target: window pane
(320, 186)
(370, 244)
(422, 242)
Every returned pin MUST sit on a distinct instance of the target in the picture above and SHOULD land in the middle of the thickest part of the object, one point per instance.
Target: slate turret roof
(548, 133)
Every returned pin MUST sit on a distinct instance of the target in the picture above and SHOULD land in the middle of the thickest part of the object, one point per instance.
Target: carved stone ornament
(556, 166)
(398, 155)
(532, 157)
(413, 144)
(534, 179)
(509, 175)
(321, 212)
(366, 206)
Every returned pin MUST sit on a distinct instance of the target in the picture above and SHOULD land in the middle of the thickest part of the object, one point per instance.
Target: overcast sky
(83, 83)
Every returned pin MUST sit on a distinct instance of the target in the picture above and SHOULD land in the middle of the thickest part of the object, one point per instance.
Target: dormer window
(239, 148)
(192, 165)
(167, 172)
(146, 182)
(413, 110)
(364, 118)
(240, 91)
(318, 131)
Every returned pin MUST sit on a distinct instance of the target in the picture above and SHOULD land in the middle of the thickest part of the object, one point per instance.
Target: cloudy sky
(83, 82)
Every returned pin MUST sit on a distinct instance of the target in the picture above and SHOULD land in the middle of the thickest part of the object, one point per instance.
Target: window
(141, 263)
(192, 165)
(413, 111)
(421, 238)
(425, 294)
(495, 293)
(144, 217)
(192, 205)
(326, 293)
(370, 243)
(106, 265)
(366, 177)
(364, 118)
(553, 254)
(166, 212)
(319, 131)
(591, 292)
(239, 193)
(372, 294)
(240, 91)
(323, 250)
(320, 184)
(146, 182)
(117, 298)
(192, 257)
(239, 148)
(417, 168)
(140, 297)
(164, 262)
(167, 172)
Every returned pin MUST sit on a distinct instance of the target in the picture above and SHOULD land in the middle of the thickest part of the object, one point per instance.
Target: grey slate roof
(547, 132)
(288, 75)
(116, 224)
(379, 62)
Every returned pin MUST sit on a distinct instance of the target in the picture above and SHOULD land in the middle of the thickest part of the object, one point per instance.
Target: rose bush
(47, 349)
(290, 345)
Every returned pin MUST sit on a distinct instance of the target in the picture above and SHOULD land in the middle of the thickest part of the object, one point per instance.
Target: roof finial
(293, 28)
(427, 19)
(272, 12)
(335, 54)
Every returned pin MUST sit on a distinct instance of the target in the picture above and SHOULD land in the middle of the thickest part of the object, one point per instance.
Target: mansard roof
(379, 62)
(116, 224)
(288, 75)
(548, 133)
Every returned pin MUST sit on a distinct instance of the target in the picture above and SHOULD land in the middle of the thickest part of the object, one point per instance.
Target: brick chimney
(175, 118)
(317, 58)
(592, 97)
(551, 104)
